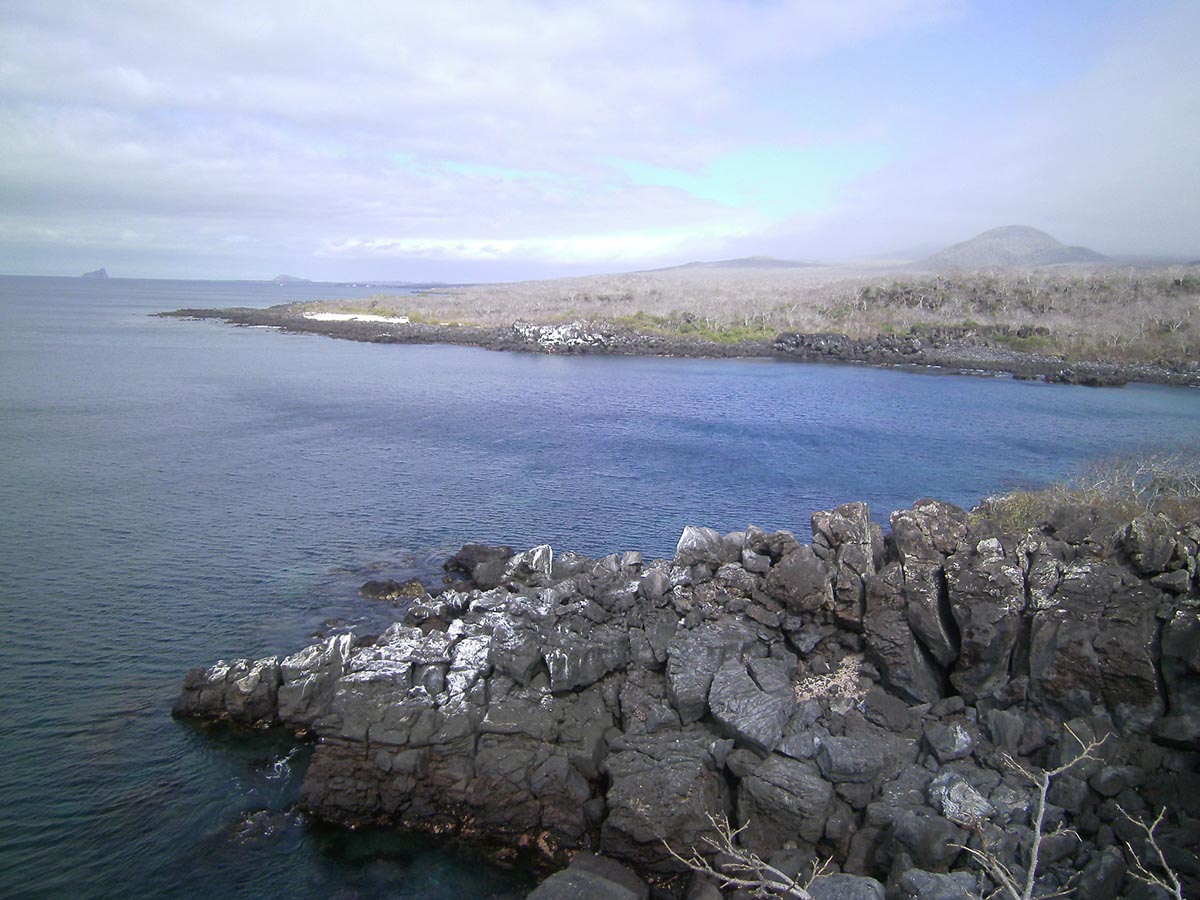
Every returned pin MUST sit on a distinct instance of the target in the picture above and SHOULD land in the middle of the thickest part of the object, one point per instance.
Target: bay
(176, 492)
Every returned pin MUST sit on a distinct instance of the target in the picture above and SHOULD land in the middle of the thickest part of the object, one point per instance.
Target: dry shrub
(1124, 485)
(1103, 312)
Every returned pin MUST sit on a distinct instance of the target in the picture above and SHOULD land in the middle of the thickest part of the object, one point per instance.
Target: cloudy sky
(499, 139)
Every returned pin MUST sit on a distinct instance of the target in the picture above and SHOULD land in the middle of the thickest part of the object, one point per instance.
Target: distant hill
(99, 273)
(290, 279)
(1011, 245)
(743, 262)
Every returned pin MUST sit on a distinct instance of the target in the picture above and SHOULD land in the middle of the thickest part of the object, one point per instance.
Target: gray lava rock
(954, 797)
(987, 600)
(781, 799)
(856, 761)
(662, 787)
(693, 657)
(1095, 646)
(949, 741)
(916, 884)
(591, 877)
(700, 545)
(1150, 542)
(846, 887)
(801, 581)
(906, 667)
(744, 710)
(930, 839)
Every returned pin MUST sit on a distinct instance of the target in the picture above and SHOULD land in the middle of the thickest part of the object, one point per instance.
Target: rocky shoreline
(865, 699)
(982, 350)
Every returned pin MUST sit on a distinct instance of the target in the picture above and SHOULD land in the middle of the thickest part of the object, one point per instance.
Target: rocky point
(865, 699)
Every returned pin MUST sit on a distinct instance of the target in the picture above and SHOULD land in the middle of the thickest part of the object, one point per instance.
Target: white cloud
(591, 249)
(282, 128)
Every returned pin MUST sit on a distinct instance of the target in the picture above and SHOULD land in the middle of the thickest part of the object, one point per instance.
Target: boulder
(781, 799)
(905, 666)
(986, 592)
(802, 582)
(661, 787)
(744, 710)
(1094, 645)
(591, 877)
(700, 545)
(846, 887)
(695, 654)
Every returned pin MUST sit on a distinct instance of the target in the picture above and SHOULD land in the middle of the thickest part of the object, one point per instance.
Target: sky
(490, 140)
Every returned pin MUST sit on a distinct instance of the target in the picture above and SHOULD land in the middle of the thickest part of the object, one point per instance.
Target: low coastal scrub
(1123, 315)
(1124, 486)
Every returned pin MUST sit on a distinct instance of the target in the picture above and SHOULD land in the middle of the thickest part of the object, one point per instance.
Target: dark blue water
(175, 492)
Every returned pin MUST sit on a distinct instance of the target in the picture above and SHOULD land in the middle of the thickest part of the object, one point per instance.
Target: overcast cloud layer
(499, 139)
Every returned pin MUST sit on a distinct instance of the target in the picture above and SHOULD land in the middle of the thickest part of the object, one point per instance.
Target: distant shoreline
(944, 350)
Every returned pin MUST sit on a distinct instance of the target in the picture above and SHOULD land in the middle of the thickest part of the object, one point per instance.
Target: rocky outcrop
(858, 698)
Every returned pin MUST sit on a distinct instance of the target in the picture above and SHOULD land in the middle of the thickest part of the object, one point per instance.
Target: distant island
(290, 279)
(1010, 300)
(99, 273)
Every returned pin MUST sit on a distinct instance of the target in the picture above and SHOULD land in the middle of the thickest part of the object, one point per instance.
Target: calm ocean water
(175, 492)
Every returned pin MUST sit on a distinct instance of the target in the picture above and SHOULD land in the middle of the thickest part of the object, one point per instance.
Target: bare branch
(743, 868)
(1168, 881)
(987, 858)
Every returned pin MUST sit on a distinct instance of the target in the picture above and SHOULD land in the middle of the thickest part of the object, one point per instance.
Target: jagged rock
(1180, 652)
(801, 582)
(927, 609)
(1177, 582)
(931, 530)
(1150, 542)
(558, 702)
(885, 710)
(1103, 877)
(700, 545)
(244, 691)
(309, 678)
(1095, 646)
(515, 650)
(949, 742)
(855, 544)
(662, 787)
(694, 656)
(471, 557)
(844, 759)
(987, 600)
(537, 560)
(745, 710)
(576, 660)
(891, 645)
(1092, 530)
(781, 799)
(954, 797)
(932, 840)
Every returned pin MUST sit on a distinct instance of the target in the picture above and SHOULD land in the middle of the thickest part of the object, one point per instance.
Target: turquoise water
(175, 492)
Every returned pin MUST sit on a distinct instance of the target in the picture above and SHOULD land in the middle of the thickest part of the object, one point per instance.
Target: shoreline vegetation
(1098, 325)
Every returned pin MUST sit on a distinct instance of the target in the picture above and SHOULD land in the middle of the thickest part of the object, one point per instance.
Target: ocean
(176, 491)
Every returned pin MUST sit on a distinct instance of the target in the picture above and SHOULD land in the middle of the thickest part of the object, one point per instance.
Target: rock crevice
(856, 698)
